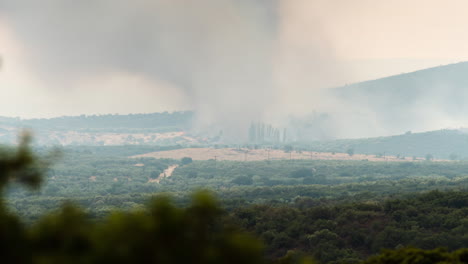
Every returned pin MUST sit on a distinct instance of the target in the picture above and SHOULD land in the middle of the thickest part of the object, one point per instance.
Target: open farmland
(243, 154)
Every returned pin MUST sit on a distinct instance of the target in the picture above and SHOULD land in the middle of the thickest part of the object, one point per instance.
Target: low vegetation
(267, 213)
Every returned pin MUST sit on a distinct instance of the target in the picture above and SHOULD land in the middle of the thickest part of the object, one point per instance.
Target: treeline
(172, 121)
(265, 133)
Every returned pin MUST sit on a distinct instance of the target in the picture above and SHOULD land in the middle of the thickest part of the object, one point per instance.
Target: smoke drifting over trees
(230, 58)
(232, 61)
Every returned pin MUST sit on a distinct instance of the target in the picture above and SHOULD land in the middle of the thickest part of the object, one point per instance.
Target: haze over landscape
(275, 58)
(234, 131)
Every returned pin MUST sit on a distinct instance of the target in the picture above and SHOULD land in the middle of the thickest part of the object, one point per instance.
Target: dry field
(260, 154)
(107, 139)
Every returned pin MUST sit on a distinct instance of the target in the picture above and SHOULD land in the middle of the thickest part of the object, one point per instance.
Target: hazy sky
(64, 58)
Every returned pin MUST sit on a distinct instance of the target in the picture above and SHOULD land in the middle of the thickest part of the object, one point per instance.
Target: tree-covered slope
(404, 89)
(428, 99)
(441, 144)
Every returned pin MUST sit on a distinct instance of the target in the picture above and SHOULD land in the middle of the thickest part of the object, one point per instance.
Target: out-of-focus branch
(21, 165)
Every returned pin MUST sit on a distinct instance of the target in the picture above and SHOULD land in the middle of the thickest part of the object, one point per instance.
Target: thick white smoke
(232, 61)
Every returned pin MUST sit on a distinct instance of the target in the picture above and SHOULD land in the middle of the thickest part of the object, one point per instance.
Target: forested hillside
(401, 92)
(428, 99)
(441, 144)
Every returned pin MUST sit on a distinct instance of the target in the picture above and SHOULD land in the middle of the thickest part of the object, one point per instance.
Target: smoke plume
(232, 61)
(236, 61)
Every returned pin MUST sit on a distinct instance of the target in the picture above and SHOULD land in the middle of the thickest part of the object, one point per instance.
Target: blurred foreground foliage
(162, 233)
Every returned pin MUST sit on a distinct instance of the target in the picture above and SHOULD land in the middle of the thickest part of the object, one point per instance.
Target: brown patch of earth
(261, 154)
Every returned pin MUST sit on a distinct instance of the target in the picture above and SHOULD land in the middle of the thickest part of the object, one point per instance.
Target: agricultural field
(244, 154)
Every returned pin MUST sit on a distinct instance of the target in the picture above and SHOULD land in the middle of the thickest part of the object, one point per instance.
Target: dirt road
(166, 173)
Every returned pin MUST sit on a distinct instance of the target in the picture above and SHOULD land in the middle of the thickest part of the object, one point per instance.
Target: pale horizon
(295, 49)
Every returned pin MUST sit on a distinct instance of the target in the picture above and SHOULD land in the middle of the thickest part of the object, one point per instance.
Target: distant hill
(175, 121)
(441, 144)
(155, 128)
(428, 99)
